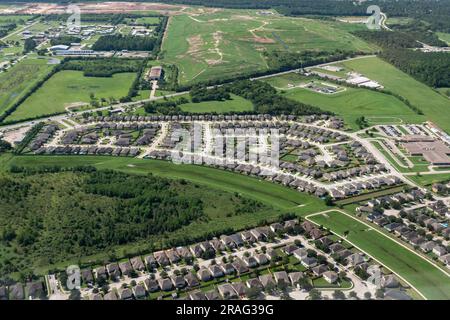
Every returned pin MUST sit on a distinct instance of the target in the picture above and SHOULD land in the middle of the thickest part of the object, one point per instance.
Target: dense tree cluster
(266, 99)
(432, 68)
(201, 93)
(118, 42)
(90, 211)
(5, 28)
(286, 60)
(389, 39)
(4, 146)
(104, 67)
(29, 45)
(401, 38)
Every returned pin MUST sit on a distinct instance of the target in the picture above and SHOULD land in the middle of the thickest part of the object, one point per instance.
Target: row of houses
(43, 136)
(174, 256)
(85, 150)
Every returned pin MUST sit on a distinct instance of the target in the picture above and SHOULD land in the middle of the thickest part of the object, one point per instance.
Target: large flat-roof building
(435, 152)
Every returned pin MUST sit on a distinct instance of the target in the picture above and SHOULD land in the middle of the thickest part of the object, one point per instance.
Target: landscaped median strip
(429, 280)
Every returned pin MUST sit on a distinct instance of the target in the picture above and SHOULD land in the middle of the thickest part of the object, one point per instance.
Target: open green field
(429, 280)
(18, 19)
(435, 106)
(148, 20)
(429, 179)
(286, 81)
(68, 87)
(354, 103)
(444, 36)
(19, 79)
(230, 42)
(236, 104)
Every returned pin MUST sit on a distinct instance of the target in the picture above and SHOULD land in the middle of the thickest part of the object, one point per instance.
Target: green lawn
(435, 106)
(444, 37)
(230, 42)
(66, 87)
(353, 103)
(429, 280)
(19, 79)
(428, 179)
(236, 104)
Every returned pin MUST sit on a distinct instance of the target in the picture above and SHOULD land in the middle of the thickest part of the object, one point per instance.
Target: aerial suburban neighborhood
(208, 150)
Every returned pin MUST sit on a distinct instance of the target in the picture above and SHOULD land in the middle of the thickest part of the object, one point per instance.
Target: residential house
(161, 258)
(239, 266)
(212, 295)
(137, 263)
(330, 276)
(227, 291)
(126, 294)
(204, 274)
(113, 270)
(308, 262)
(267, 280)
(165, 284)
(125, 268)
(191, 280)
(173, 256)
(281, 276)
(100, 273)
(354, 259)
(178, 281)
(295, 277)
(289, 249)
(151, 285)
(439, 251)
(110, 295)
(239, 288)
(319, 270)
(196, 250)
(216, 271)
(227, 268)
(254, 283)
(262, 259)
(86, 276)
(250, 262)
(197, 295)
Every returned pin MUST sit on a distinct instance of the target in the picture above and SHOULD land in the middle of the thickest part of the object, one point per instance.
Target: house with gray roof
(227, 291)
(137, 263)
(165, 284)
(151, 285)
(110, 296)
(266, 280)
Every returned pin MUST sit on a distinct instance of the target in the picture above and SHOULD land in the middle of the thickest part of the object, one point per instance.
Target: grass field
(353, 103)
(228, 42)
(66, 87)
(435, 106)
(429, 179)
(444, 37)
(429, 280)
(19, 79)
(236, 104)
